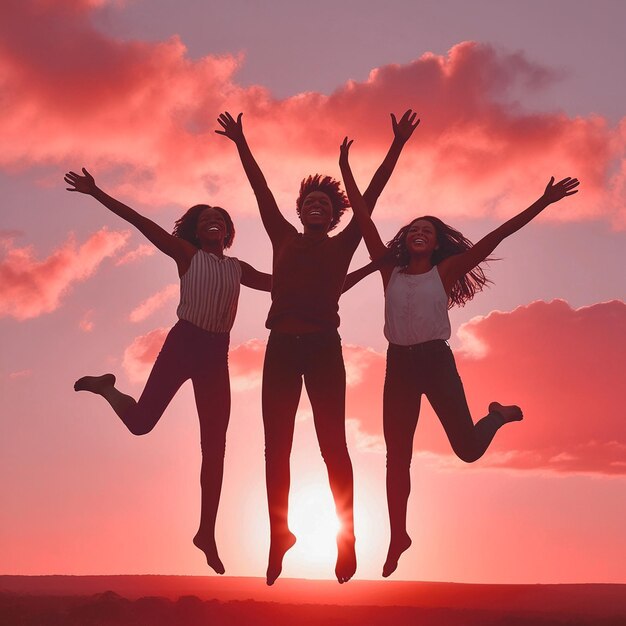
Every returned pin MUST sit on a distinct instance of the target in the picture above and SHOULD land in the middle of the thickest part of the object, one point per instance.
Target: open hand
(84, 184)
(403, 129)
(344, 148)
(233, 129)
(558, 191)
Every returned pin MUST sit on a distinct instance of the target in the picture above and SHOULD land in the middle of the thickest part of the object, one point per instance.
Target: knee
(138, 420)
(399, 459)
(467, 453)
(140, 429)
(213, 447)
(334, 453)
(276, 453)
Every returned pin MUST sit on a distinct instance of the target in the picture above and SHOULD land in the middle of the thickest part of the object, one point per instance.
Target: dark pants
(426, 368)
(316, 358)
(192, 353)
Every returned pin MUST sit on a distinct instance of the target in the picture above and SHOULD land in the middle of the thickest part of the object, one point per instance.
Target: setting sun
(313, 520)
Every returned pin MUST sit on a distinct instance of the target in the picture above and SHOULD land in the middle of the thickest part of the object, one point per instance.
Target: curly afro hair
(186, 226)
(450, 242)
(331, 188)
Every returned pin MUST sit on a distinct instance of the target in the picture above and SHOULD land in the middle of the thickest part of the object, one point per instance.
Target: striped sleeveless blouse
(209, 291)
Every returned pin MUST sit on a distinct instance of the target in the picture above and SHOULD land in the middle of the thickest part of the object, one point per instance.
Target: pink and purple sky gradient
(509, 94)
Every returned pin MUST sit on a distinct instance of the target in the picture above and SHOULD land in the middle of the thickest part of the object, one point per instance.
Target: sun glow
(313, 520)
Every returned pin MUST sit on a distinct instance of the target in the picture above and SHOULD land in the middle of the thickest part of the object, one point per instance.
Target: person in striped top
(196, 347)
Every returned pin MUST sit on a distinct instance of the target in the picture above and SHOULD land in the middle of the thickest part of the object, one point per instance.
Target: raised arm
(179, 249)
(362, 214)
(273, 220)
(402, 131)
(454, 267)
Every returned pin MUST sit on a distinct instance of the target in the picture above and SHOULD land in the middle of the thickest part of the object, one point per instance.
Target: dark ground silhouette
(71, 601)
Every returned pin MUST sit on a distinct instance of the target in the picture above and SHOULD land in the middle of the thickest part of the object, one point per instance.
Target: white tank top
(209, 291)
(416, 308)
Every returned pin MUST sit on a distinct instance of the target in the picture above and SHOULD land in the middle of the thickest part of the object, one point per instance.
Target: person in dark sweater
(309, 270)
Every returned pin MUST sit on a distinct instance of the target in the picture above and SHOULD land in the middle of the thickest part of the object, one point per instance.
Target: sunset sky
(508, 94)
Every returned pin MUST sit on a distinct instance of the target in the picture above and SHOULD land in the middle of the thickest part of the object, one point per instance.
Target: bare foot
(396, 548)
(278, 548)
(346, 557)
(95, 384)
(508, 414)
(210, 551)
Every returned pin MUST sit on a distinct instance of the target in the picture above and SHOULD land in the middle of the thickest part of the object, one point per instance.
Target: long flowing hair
(186, 226)
(450, 242)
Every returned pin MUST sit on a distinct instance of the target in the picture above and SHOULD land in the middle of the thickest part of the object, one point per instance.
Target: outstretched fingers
(84, 183)
(344, 149)
(569, 185)
(232, 128)
(404, 128)
(557, 191)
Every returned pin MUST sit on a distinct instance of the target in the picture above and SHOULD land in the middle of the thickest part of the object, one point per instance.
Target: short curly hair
(450, 242)
(186, 226)
(329, 186)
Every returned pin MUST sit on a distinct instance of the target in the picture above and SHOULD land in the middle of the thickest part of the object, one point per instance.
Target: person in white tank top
(427, 268)
(196, 347)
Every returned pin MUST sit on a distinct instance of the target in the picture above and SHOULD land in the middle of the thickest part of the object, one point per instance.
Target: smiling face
(211, 227)
(316, 212)
(421, 238)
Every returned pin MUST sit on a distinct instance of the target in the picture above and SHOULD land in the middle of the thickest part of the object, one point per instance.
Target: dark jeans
(192, 353)
(316, 358)
(426, 368)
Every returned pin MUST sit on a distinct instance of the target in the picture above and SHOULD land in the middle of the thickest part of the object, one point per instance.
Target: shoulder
(231, 262)
(392, 269)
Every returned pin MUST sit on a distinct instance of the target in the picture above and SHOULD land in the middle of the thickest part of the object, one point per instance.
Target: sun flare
(313, 520)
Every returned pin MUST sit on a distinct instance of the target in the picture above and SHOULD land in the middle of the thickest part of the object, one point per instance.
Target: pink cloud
(8, 236)
(21, 374)
(563, 366)
(140, 355)
(86, 323)
(154, 303)
(245, 363)
(156, 126)
(29, 287)
(141, 251)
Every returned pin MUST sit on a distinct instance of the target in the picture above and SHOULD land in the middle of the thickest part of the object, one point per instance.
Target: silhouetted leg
(447, 397)
(282, 385)
(325, 380)
(169, 372)
(212, 392)
(401, 405)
